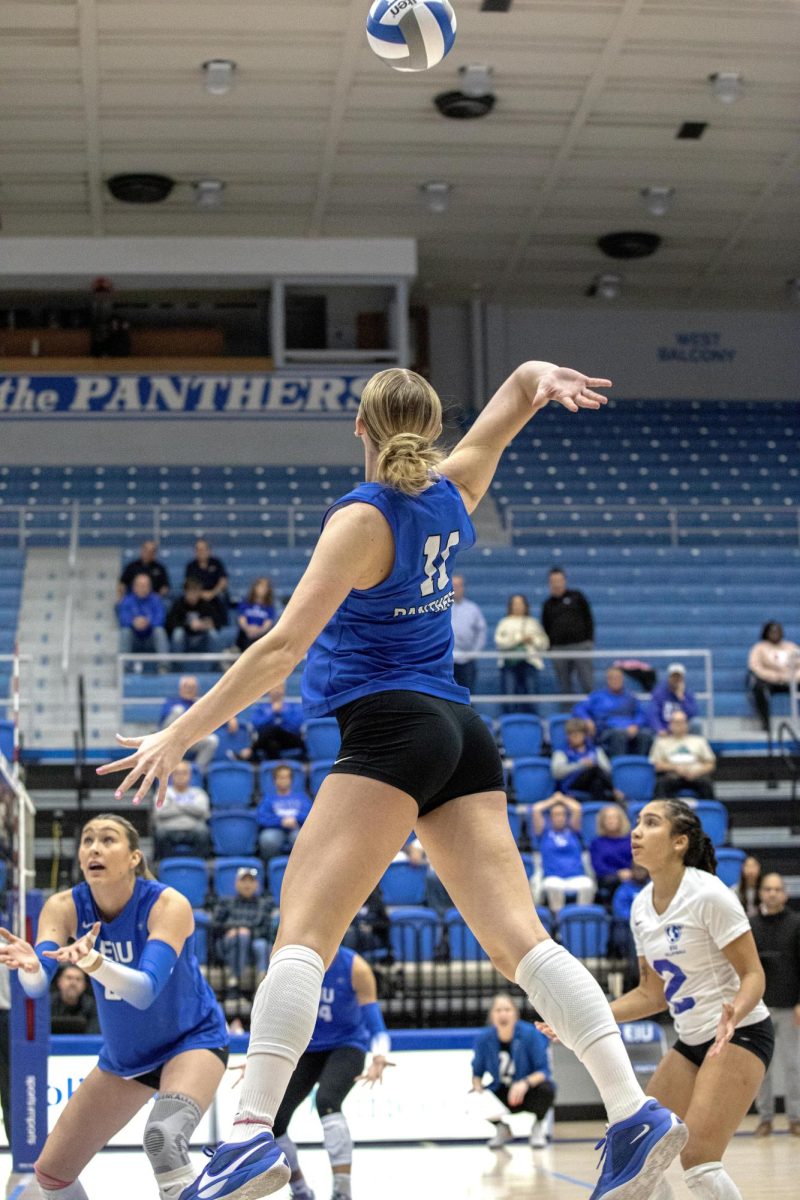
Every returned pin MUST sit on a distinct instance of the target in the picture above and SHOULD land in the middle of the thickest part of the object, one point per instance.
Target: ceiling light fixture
(657, 200)
(208, 194)
(727, 86)
(437, 196)
(218, 74)
(606, 286)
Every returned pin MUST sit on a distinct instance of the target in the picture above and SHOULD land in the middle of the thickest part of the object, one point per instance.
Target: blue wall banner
(203, 395)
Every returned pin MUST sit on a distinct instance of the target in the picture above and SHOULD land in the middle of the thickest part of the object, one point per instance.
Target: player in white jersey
(698, 958)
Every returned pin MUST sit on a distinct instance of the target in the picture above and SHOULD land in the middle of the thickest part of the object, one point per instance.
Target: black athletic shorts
(433, 749)
(334, 1070)
(152, 1079)
(759, 1039)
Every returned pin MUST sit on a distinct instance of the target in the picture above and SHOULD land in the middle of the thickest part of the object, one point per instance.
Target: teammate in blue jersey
(163, 1032)
(349, 1023)
(372, 612)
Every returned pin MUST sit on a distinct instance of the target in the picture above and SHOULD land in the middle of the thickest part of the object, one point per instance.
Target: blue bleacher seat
(276, 869)
(528, 864)
(202, 926)
(413, 933)
(234, 831)
(404, 883)
(317, 772)
(635, 776)
(714, 819)
(547, 918)
(584, 929)
(225, 873)
(556, 733)
(515, 821)
(532, 780)
(230, 784)
(729, 864)
(7, 739)
(231, 743)
(521, 735)
(189, 876)
(589, 811)
(464, 946)
(322, 738)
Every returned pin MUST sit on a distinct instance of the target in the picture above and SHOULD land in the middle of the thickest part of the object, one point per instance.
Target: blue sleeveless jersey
(185, 1016)
(339, 1020)
(397, 635)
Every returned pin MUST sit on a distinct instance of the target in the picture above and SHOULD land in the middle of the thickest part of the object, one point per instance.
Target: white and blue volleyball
(411, 35)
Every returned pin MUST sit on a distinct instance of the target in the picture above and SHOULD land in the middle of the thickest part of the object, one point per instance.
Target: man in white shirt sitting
(683, 761)
(180, 826)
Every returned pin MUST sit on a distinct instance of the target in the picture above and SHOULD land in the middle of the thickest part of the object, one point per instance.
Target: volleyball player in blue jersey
(163, 1032)
(372, 613)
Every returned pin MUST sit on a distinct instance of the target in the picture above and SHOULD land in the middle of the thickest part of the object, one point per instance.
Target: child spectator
(256, 614)
(670, 695)
(190, 622)
(582, 767)
(770, 667)
(518, 631)
(180, 825)
(281, 816)
(141, 620)
(683, 761)
(616, 717)
(560, 846)
(610, 851)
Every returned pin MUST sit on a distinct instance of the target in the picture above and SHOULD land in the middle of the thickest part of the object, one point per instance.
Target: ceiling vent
(140, 189)
(464, 108)
(629, 244)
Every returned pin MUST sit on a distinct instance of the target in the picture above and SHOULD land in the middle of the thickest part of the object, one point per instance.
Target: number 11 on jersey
(436, 562)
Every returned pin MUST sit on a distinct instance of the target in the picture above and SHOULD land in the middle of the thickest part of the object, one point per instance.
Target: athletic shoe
(538, 1138)
(763, 1129)
(242, 1171)
(502, 1134)
(637, 1152)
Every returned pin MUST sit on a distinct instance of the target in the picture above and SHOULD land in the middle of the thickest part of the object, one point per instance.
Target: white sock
(342, 1184)
(172, 1185)
(573, 1005)
(284, 1013)
(710, 1181)
(73, 1191)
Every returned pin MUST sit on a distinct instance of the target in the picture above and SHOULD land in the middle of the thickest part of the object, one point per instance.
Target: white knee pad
(171, 1123)
(710, 1181)
(337, 1139)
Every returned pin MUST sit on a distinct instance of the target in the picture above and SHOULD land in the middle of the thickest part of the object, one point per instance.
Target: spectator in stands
(621, 903)
(281, 816)
(568, 622)
(180, 825)
(684, 761)
(582, 767)
(749, 886)
(72, 1006)
(517, 1059)
(146, 564)
(769, 668)
(278, 727)
(191, 622)
(610, 851)
(256, 614)
(175, 706)
(141, 620)
(521, 633)
(436, 896)
(670, 695)
(241, 928)
(560, 846)
(469, 635)
(369, 930)
(213, 579)
(616, 717)
(776, 930)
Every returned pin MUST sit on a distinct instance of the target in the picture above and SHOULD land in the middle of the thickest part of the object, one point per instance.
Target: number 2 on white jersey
(433, 551)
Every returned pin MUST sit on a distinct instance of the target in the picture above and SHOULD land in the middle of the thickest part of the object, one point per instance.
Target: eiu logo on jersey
(326, 1004)
(121, 952)
(673, 933)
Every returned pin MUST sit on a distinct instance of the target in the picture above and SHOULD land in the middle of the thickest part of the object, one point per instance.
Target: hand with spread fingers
(70, 956)
(570, 389)
(154, 758)
(725, 1030)
(374, 1072)
(18, 954)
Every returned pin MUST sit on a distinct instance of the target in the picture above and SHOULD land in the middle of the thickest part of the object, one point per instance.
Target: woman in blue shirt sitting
(562, 852)
(611, 851)
(256, 614)
(517, 1058)
(281, 815)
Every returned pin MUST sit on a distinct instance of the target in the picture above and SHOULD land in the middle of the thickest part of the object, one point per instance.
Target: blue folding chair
(230, 784)
(547, 919)
(267, 784)
(634, 776)
(532, 780)
(556, 733)
(234, 831)
(584, 930)
(318, 771)
(404, 883)
(276, 869)
(202, 925)
(464, 946)
(413, 934)
(714, 819)
(189, 876)
(528, 864)
(225, 873)
(729, 864)
(521, 735)
(231, 743)
(515, 821)
(322, 738)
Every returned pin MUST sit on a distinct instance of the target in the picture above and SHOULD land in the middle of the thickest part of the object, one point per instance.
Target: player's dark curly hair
(700, 851)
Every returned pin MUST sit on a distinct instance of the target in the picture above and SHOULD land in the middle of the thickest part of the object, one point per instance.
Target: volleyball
(411, 35)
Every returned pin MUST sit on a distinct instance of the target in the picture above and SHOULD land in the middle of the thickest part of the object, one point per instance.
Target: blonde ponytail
(403, 417)
(406, 462)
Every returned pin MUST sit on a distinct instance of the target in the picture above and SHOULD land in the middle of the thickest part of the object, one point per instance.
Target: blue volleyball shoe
(637, 1152)
(242, 1171)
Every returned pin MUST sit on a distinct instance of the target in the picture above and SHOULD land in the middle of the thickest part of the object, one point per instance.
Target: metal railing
(663, 521)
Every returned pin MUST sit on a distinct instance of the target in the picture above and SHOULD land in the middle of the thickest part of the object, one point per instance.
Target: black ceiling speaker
(464, 108)
(140, 189)
(629, 244)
